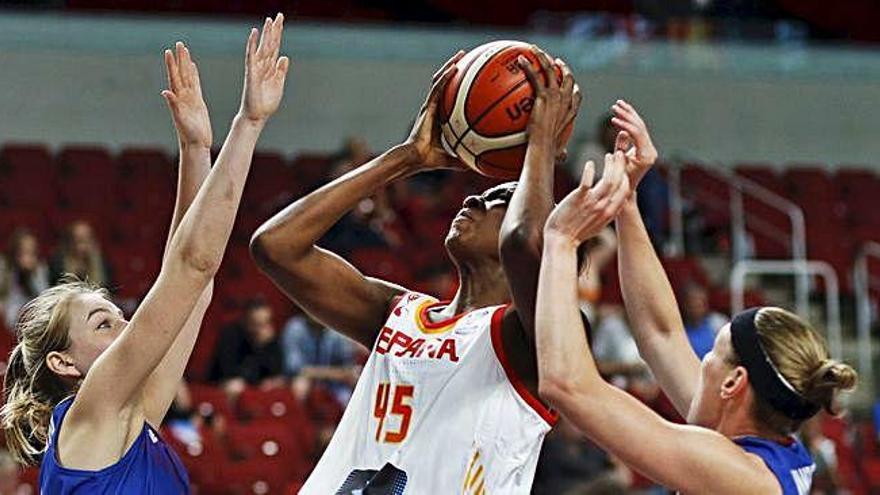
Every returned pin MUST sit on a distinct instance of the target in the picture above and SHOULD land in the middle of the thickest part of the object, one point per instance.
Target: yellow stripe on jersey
(474, 482)
(433, 330)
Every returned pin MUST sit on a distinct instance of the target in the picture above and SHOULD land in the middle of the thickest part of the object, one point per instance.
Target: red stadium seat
(764, 175)
(209, 400)
(205, 460)
(312, 169)
(259, 477)
(684, 271)
(708, 192)
(25, 169)
(278, 405)
(272, 184)
(270, 441)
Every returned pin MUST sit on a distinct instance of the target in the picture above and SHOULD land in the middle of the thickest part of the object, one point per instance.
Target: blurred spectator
(567, 460)
(700, 323)
(653, 199)
(23, 275)
(601, 250)
(824, 454)
(355, 150)
(80, 255)
(9, 475)
(315, 354)
(368, 225)
(602, 142)
(616, 353)
(181, 419)
(248, 351)
(877, 420)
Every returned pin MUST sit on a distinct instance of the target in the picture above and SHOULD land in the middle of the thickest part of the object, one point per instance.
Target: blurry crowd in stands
(264, 398)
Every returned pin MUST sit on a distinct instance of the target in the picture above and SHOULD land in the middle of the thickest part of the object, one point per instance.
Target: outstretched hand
(424, 138)
(264, 72)
(588, 209)
(556, 102)
(184, 98)
(634, 140)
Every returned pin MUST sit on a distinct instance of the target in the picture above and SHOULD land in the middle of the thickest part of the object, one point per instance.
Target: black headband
(768, 383)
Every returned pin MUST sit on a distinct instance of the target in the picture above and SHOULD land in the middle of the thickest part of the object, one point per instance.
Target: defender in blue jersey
(767, 372)
(85, 389)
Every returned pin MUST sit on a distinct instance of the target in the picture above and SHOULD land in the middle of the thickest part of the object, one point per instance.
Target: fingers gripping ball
(485, 108)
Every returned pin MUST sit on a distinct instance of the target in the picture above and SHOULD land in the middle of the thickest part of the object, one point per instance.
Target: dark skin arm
(521, 237)
(326, 286)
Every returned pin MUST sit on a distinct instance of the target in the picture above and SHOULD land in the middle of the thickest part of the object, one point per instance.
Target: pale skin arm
(109, 403)
(686, 458)
(193, 125)
(655, 321)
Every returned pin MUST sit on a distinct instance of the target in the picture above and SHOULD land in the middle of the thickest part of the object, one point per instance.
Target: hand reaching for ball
(423, 143)
(633, 140)
(556, 102)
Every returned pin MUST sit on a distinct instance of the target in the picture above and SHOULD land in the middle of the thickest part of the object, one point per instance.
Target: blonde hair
(32, 390)
(801, 356)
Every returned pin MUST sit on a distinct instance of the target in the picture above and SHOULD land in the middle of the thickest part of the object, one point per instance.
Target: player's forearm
(653, 312)
(161, 387)
(293, 231)
(201, 238)
(532, 201)
(193, 168)
(566, 367)
(647, 294)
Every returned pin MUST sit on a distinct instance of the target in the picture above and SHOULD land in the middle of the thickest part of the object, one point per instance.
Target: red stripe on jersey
(551, 417)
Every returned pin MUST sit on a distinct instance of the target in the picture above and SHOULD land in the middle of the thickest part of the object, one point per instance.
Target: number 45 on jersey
(393, 400)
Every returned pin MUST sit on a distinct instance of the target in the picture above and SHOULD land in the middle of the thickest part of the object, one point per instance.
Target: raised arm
(655, 321)
(556, 106)
(193, 124)
(326, 286)
(115, 382)
(685, 458)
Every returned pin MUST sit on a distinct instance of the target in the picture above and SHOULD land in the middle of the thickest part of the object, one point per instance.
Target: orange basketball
(485, 109)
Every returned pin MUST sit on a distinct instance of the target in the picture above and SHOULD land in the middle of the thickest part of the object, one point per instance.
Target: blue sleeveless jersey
(148, 467)
(791, 464)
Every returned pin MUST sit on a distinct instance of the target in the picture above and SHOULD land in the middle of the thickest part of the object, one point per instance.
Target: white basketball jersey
(439, 402)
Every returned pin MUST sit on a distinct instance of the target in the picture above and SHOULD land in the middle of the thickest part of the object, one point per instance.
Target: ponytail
(827, 381)
(32, 390)
(25, 416)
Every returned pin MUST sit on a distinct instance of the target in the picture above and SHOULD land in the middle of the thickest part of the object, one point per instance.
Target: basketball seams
(462, 137)
(459, 113)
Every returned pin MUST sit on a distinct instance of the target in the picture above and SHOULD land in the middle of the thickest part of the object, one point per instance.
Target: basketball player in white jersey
(447, 402)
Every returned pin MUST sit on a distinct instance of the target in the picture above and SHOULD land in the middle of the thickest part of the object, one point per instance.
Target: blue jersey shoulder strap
(791, 464)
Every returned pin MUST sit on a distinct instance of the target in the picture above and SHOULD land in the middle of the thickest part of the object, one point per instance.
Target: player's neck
(477, 289)
(741, 424)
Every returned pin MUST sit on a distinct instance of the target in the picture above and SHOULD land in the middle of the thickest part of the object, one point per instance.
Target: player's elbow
(557, 389)
(259, 249)
(198, 258)
(266, 249)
